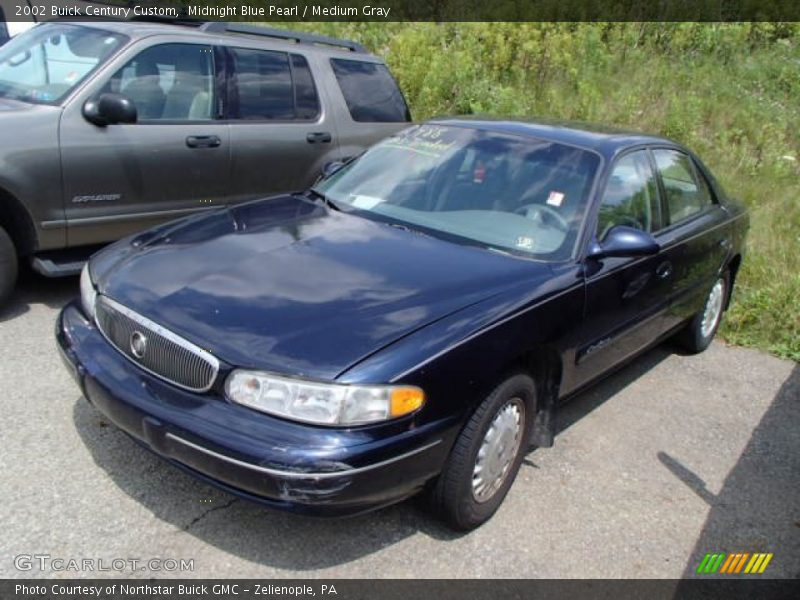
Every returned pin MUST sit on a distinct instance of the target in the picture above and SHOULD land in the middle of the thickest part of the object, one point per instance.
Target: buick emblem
(138, 344)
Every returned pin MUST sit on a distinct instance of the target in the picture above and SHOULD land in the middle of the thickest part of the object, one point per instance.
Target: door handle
(664, 270)
(319, 136)
(203, 141)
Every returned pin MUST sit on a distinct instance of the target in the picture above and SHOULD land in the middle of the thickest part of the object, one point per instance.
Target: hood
(288, 286)
(9, 107)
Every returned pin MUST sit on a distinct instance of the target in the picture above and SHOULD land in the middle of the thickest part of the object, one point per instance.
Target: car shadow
(756, 509)
(283, 540)
(33, 288)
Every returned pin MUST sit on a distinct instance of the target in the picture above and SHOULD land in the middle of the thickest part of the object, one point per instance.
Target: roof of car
(603, 139)
(135, 28)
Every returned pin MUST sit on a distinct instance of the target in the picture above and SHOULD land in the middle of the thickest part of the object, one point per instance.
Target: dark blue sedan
(410, 323)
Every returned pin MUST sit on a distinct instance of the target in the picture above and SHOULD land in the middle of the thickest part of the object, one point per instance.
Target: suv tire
(9, 266)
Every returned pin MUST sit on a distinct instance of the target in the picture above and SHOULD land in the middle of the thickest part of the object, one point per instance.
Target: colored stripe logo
(734, 563)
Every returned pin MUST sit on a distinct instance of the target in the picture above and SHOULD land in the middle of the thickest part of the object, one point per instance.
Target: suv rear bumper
(305, 469)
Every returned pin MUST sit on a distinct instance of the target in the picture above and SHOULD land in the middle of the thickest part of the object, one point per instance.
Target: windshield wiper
(404, 227)
(314, 193)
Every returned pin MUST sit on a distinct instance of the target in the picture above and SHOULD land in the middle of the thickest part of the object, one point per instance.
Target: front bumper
(302, 468)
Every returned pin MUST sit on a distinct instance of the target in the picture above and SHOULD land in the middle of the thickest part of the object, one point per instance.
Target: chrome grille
(162, 353)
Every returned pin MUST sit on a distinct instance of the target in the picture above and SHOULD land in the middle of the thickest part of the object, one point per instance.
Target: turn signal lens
(406, 400)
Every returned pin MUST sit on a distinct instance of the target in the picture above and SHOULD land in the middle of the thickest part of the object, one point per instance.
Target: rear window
(271, 85)
(370, 91)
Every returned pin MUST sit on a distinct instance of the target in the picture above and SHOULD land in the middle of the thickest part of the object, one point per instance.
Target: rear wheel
(487, 454)
(700, 331)
(8, 266)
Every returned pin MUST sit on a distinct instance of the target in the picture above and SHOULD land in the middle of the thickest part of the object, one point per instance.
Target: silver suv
(112, 127)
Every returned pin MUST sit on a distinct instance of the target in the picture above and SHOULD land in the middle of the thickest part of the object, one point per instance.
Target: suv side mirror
(331, 168)
(625, 242)
(110, 109)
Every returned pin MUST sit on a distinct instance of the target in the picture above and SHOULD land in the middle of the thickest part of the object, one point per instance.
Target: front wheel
(487, 454)
(8, 266)
(700, 331)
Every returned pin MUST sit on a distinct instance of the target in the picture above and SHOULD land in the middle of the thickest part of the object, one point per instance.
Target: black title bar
(350, 589)
(408, 10)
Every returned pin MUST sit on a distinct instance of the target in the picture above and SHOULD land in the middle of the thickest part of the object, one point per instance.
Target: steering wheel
(536, 212)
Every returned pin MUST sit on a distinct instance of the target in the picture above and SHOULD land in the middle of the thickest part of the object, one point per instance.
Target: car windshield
(47, 62)
(504, 192)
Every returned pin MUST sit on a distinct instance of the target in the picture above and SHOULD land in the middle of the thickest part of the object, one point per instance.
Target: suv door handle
(203, 141)
(319, 136)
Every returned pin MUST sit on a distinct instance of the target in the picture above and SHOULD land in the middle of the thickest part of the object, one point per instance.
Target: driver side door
(173, 161)
(626, 298)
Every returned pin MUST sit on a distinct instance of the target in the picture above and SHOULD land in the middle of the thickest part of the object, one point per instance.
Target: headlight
(322, 403)
(88, 293)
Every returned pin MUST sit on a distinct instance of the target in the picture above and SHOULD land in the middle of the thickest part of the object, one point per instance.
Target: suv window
(686, 194)
(4, 37)
(169, 82)
(370, 91)
(269, 85)
(305, 93)
(630, 197)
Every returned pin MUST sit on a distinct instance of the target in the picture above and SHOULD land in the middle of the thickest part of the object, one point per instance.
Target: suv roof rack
(282, 34)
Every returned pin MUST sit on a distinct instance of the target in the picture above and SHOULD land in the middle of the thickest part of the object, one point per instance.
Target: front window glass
(504, 192)
(171, 82)
(46, 63)
(630, 196)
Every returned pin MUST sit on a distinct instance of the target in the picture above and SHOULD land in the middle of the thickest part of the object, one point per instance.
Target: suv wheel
(8, 266)
(487, 454)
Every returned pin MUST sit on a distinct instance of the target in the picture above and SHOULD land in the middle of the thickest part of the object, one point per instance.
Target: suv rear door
(281, 134)
(175, 160)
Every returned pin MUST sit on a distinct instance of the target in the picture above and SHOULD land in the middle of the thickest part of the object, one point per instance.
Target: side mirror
(331, 168)
(625, 242)
(110, 109)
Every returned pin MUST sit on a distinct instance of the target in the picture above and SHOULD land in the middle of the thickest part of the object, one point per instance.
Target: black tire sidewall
(697, 342)
(454, 488)
(8, 266)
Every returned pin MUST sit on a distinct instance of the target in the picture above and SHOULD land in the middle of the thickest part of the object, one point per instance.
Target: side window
(4, 37)
(172, 82)
(630, 197)
(370, 91)
(305, 93)
(262, 85)
(685, 194)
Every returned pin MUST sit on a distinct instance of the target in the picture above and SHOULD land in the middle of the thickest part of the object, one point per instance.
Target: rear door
(694, 241)
(174, 161)
(281, 133)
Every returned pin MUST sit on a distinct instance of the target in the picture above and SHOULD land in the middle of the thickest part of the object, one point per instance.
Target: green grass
(731, 92)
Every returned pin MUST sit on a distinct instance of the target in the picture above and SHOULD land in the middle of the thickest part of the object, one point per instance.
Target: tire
(699, 332)
(461, 496)
(9, 265)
